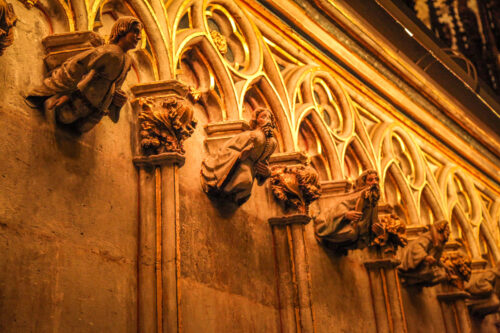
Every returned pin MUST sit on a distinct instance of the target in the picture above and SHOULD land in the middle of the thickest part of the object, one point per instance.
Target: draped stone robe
(337, 231)
(225, 174)
(91, 79)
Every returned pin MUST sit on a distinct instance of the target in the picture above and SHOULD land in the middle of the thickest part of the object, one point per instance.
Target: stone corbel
(163, 113)
(60, 47)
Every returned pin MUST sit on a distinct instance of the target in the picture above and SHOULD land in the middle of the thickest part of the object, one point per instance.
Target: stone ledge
(288, 158)
(453, 296)
(160, 159)
(291, 219)
(381, 263)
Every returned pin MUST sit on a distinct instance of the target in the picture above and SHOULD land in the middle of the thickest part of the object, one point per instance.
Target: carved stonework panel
(8, 20)
(165, 122)
(296, 187)
(230, 172)
(421, 260)
(87, 86)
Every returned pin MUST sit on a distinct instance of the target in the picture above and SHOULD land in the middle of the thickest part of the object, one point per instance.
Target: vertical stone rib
(146, 262)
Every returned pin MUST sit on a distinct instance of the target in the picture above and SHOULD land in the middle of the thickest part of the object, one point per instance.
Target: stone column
(455, 313)
(292, 266)
(159, 259)
(386, 295)
(163, 119)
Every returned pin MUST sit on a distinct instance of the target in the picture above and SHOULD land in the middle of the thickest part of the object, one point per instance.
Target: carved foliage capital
(458, 268)
(389, 233)
(295, 186)
(167, 120)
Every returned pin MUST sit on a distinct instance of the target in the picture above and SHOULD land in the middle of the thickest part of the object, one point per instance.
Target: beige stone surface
(68, 211)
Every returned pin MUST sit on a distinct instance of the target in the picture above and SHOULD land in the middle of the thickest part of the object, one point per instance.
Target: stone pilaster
(386, 295)
(158, 163)
(292, 264)
(455, 314)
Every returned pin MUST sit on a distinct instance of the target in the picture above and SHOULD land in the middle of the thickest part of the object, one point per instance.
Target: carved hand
(119, 98)
(430, 260)
(262, 169)
(58, 102)
(246, 152)
(353, 215)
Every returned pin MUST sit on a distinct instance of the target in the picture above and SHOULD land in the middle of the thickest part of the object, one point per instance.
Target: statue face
(372, 179)
(130, 40)
(264, 119)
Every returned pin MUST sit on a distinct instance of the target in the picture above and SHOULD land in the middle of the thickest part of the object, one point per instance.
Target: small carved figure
(296, 186)
(167, 122)
(87, 86)
(421, 259)
(8, 20)
(220, 41)
(349, 225)
(484, 290)
(230, 172)
(389, 233)
(458, 268)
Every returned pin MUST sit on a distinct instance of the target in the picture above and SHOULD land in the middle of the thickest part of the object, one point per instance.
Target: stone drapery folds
(348, 225)
(7, 22)
(87, 86)
(421, 260)
(231, 171)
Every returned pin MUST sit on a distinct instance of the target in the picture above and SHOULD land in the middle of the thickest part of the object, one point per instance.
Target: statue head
(367, 178)
(264, 119)
(128, 30)
(440, 232)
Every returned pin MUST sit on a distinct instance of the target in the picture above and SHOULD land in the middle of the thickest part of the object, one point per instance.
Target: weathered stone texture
(68, 222)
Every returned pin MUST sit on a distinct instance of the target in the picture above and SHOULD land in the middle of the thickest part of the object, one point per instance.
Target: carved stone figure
(8, 20)
(231, 171)
(220, 41)
(458, 268)
(484, 290)
(166, 122)
(389, 234)
(421, 259)
(87, 86)
(349, 224)
(296, 186)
